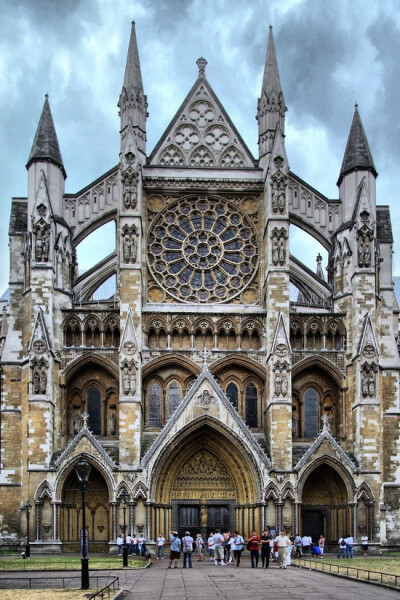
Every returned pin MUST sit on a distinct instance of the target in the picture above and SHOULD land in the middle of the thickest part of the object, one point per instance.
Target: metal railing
(105, 592)
(386, 579)
(32, 583)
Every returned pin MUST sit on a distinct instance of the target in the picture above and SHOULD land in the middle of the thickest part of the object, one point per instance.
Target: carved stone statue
(36, 382)
(43, 382)
(112, 424)
(126, 381)
(371, 384)
(278, 384)
(127, 248)
(282, 253)
(77, 422)
(275, 252)
(133, 384)
(284, 385)
(364, 384)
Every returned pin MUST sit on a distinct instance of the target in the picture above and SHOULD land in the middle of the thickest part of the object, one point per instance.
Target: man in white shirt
(160, 547)
(283, 543)
(129, 544)
(349, 546)
(364, 543)
(219, 547)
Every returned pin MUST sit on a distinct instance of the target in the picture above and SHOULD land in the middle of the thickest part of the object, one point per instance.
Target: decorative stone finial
(85, 417)
(326, 423)
(202, 63)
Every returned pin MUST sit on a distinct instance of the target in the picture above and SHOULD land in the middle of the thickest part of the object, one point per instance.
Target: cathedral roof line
(357, 154)
(45, 145)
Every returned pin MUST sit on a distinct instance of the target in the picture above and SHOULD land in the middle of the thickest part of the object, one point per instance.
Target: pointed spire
(133, 75)
(132, 101)
(45, 145)
(357, 154)
(271, 82)
(271, 105)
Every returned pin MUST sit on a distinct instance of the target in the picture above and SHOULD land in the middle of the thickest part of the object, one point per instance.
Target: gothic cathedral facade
(204, 388)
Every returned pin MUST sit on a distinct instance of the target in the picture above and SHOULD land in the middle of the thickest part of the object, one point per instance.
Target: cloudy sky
(331, 54)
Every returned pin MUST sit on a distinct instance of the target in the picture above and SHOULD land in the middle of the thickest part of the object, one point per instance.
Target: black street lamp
(82, 469)
(124, 499)
(27, 508)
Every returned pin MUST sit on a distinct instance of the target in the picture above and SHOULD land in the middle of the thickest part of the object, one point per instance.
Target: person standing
(238, 542)
(219, 547)
(349, 546)
(265, 548)
(227, 537)
(211, 546)
(297, 545)
(128, 544)
(305, 544)
(120, 541)
(283, 542)
(342, 547)
(231, 545)
(321, 545)
(254, 547)
(199, 546)
(364, 543)
(187, 549)
(134, 543)
(160, 547)
(141, 544)
(175, 549)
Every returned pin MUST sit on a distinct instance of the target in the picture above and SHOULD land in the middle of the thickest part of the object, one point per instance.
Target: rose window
(203, 250)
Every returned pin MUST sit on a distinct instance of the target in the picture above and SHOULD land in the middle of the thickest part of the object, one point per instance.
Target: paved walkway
(208, 582)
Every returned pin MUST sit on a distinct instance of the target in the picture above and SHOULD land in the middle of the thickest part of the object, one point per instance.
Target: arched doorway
(325, 506)
(97, 513)
(205, 480)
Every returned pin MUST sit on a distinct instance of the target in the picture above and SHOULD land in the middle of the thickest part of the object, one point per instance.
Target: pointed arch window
(94, 409)
(251, 405)
(154, 419)
(174, 397)
(233, 394)
(310, 413)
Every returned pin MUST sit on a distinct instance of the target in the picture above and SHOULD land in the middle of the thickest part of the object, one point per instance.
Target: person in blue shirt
(175, 549)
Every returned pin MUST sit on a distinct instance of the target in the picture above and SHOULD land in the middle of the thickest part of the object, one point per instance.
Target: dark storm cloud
(330, 55)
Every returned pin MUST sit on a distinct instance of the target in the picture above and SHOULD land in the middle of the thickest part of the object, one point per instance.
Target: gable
(201, 135)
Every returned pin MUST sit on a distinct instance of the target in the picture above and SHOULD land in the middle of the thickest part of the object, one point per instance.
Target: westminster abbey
(222, 382)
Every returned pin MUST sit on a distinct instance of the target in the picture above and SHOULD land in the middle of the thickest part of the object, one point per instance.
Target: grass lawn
(46, 594)
(56, 563)
(375, 569)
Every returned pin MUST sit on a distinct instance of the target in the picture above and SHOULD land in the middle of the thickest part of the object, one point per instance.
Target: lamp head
(82, 470)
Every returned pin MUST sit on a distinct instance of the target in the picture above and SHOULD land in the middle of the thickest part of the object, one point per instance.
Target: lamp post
(82, 469)
(27, 508)
(124, 499)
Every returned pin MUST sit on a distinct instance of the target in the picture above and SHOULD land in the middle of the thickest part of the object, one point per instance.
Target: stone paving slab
(208, 582)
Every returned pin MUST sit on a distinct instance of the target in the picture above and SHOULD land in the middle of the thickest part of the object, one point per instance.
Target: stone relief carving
(281, 383)
(129, 244)
(279, 237)
(279, 193)
(326, 423)
(368, 381)
(129, 188)
(205, 400)
(129, 378)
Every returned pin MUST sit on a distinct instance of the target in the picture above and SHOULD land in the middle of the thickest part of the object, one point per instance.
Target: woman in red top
(254, 545)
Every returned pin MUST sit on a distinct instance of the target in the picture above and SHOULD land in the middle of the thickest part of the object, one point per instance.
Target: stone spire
(45, 145)
(271, 105)
(357, 154)
(133, 102)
